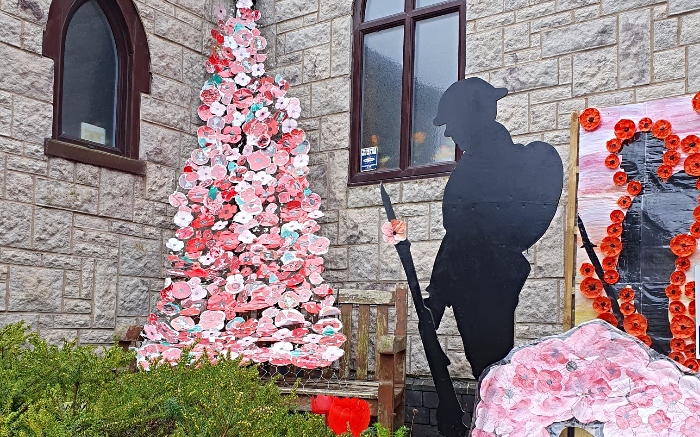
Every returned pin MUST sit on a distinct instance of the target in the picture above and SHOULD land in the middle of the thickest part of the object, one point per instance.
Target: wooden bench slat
(365, 297)
(382, 329)
(391, 344)
(346, 320)
(362, 342)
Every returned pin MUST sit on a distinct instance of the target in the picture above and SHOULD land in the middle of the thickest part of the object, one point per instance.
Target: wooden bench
(383, 390)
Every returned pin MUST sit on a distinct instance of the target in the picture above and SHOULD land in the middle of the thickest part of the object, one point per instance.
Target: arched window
(101, 67)
(406, 54)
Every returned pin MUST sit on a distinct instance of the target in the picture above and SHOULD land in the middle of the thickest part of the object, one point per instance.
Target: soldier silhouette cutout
(499, 201)
(663, 210)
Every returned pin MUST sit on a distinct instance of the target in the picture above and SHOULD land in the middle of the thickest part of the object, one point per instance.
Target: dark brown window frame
(134, 78)
(408, 19)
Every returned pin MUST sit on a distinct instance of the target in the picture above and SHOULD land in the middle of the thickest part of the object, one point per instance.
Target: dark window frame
(408, 19)
(133, 78)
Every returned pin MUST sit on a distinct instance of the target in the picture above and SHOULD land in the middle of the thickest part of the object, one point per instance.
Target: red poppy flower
(677, 278)
(321, 404)
(626, 294)
(695, 230)
(609, 262)
(591, 287)
(672, 142)
(615, 230)
(683, 245)
(677, 344)
(677, 356)
(645, 339)
(690, 144)
(691, 308)
(692, 364)
(692, 164)
(589, 119)
(690, 349)
(676, 307)
(611, 246)
(195, 245)
(614, 145)
(612, 161)
(664, 171)
(696, 103)
(587, 270)
(350, 413)
(624, 202)
(617, 216)
(683, 326)
(671, 157)
(645, 124)
(625, 129)
(601, 304)
(620, 178)
(636, 325)
(634, 188)
(696, 213)
(661, 129)
(611, 276)
(627, 308)
(673, 292)
(689, 290)
(682, 263)
(608, 317)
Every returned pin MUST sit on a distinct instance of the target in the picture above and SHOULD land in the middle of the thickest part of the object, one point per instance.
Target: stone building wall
(81, 247)
(555, 57)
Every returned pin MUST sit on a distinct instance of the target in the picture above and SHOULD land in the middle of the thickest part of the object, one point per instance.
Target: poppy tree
(246, 260)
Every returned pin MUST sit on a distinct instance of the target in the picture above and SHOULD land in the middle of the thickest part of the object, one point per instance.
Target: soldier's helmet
(472, 99)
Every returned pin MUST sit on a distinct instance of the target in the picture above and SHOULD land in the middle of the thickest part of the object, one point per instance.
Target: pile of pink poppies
(594, 374)
(246, 261)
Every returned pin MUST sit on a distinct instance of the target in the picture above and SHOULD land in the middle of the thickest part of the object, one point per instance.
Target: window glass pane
(89, 105)
(424, 3)
(382, 68)
(435, 69)
(382, 8)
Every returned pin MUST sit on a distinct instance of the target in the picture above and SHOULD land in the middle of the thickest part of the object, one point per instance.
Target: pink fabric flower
(394, 231)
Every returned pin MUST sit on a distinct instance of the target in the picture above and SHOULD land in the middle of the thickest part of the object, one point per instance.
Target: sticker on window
(93, 133)
(368, 159)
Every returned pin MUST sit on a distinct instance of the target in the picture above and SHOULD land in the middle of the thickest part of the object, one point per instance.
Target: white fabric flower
(217, 109)
(230, 42)
(262, 114)
(244, 4)
(174, 244)
(288, 125)
(238, 119)
(240, 53)
(246, 237)
(206, 260)
(183, 218)
(242, 79)
(257, 70)
(242, 218)
(219, 225)
(301, 160)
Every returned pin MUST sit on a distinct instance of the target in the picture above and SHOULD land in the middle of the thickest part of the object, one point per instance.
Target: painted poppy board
(637, 199)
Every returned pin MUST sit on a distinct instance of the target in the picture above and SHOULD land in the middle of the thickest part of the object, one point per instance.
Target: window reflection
(89, 97)
(436, 44)
(381, 95)
(382, 8)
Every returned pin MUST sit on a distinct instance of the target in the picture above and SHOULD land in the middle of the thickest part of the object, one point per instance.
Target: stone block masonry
(81, 247)
(554, 57)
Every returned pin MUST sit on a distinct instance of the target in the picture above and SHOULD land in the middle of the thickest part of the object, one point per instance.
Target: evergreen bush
(79, 391)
